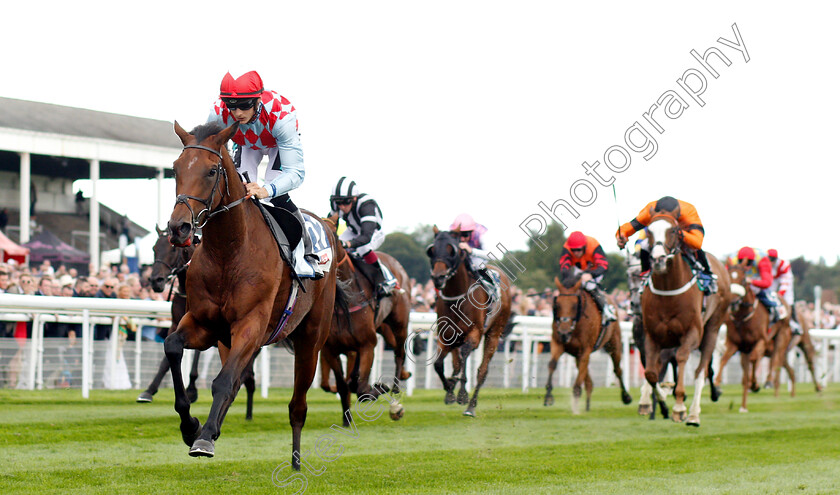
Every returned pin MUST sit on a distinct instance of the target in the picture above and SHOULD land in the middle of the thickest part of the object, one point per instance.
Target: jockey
(584, 253)
(268, 126)
(470, 241)
(760, 279)
(364, 234)
(692, 233)
(783, 285)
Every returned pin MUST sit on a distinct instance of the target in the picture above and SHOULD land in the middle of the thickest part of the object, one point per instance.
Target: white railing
(519, 354)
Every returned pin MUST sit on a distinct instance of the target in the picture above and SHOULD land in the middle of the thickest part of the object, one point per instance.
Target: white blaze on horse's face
(658, 233)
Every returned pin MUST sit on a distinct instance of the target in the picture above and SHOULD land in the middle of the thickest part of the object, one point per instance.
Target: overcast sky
(487, 107)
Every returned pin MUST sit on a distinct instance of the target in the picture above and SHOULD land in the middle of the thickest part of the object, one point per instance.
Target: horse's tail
(344, 297)
(508, 327)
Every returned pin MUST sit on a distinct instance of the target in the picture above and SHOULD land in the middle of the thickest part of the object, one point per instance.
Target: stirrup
(314, 261)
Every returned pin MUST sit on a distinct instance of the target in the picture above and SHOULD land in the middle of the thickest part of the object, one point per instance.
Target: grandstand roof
(62, 139)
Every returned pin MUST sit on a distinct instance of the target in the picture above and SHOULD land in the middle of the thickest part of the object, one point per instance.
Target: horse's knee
(173, 345)
(552, 364)
(651, 377)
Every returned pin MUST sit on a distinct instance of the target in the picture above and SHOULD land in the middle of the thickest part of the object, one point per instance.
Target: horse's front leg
(448, 384)
(244, 344)
(689, 342)
(556, 351)
(577, 389)
(465, 350)
(193, 336)
(730, 351)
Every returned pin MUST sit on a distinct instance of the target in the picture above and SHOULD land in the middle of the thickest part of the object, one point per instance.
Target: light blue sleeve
(291, 158)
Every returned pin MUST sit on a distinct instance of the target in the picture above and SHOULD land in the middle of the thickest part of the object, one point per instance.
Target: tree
(410, 254)
(616, 276)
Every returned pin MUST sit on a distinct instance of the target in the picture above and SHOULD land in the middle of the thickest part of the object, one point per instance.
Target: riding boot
(308, 255)
(383, 286)
(606, 309)
(486, 280)
(702, 263)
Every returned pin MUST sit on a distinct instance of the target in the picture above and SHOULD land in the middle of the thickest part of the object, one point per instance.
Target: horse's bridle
(208, 212)
(578, 312)
(450, 270)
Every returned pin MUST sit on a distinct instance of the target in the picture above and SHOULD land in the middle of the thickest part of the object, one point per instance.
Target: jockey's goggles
(466, 233)
(343, 201)
(239, 103)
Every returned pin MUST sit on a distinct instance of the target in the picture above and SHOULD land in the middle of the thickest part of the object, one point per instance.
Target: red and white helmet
(772, 253)
(248, 85)
(463, 222)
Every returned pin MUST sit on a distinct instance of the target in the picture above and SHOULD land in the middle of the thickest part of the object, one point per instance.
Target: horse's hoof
(549, 400)
(768, 384)
(192, 395)
(626, 398)
(678, 416)
(203, 448)
(190, 431)
(716, 393)
(693, 422)
(396, 411)
(470, 412)
(463, 397)
(449, 399)
(645, 409)
(405, 375)
(743, 410)
(396, 390)
(145, 397)
(755, 388)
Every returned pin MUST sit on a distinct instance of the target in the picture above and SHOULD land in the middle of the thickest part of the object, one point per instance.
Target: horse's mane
(203, 131)
(570, 280)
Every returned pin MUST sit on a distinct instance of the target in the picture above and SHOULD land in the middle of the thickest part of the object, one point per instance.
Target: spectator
(45, 286)
(4, 219)
(108, 291)
(80, 203)
(5, 280)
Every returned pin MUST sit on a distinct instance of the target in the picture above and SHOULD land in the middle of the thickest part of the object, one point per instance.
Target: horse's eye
(212, 172)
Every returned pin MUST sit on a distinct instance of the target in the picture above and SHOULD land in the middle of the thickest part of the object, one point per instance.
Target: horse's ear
(159, 231)
(435, 229)
(457, 231)
(578, 283)
(184, 135)
(557, 282)
(430, 250)
(225, 135)
(334, 220)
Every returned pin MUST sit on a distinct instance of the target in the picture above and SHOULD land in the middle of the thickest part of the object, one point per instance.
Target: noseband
(578, 312)
(208, 212)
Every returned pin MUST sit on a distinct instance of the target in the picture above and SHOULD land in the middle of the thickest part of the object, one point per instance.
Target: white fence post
(87, 342)
(265, 370)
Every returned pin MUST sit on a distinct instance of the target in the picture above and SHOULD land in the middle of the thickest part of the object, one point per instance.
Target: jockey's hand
(256, 190)
(345, 244)
(621, 241)
(586, 277)
(466, 247)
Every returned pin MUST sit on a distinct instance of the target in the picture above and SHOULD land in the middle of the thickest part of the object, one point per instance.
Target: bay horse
(465, 314)
(675, 313)
(354, 329)
(576, 328)
(170, 264)
(241, 294)
(749, 332)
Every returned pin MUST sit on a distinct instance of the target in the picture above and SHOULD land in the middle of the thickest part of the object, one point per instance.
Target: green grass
(55, 442)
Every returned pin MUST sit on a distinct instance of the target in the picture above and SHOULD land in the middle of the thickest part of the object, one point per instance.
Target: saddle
(286, 230)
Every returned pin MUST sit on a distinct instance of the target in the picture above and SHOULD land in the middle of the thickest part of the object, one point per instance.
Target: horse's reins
(669, 255)
(208, 212)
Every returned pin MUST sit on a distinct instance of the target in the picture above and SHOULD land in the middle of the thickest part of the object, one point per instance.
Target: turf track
(54, 441)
